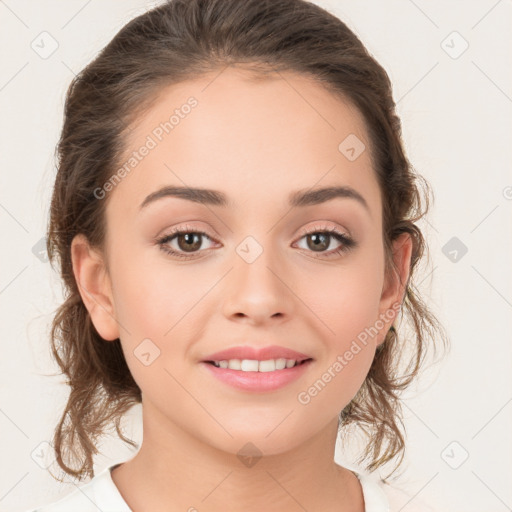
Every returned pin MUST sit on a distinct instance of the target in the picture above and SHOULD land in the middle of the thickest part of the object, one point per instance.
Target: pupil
(189, 238)
(319, 240)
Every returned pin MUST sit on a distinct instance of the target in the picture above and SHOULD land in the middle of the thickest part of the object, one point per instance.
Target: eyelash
(347, 243)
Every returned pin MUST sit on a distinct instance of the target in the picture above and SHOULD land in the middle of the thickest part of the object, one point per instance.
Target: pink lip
(257, 381)
(261, 354)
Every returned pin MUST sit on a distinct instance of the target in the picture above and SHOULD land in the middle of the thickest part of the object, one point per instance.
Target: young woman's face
(265, 273)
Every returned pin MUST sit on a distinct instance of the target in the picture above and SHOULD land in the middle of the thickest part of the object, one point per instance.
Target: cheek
(347, 311)
(169, 305)
(152, 306)
(345, 302)
(344, 299)
(151, 295)
(162, 307)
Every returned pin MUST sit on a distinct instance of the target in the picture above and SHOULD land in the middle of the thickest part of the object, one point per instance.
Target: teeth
(253, 365)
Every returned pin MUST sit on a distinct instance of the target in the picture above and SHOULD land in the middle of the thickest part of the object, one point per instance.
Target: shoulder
(399, 498)
(375, 498)
(98, 494)
(79, 500)
(385, 497)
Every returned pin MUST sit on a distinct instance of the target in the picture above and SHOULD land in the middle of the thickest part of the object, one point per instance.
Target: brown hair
(180, 40)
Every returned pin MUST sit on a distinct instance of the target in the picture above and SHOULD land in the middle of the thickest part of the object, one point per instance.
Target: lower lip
(258, 381)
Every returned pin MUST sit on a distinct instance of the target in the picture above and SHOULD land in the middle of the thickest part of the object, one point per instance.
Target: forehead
(256, 140)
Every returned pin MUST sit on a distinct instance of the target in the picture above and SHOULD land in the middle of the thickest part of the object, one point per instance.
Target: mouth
(255, 376)
(255, 365)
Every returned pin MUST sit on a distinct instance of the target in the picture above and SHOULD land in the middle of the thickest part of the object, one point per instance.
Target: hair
(181, 40)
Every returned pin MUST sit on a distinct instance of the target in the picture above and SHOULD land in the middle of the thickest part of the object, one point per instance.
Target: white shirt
(102, 494)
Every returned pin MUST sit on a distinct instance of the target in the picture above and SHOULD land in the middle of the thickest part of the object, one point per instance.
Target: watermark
(454, 44)
(249, 454)
(146, 351)
(39, 250)
(454, 249)
(351, 147)
(455, 455)
(304, 397)
(44, 44)
(43, 455)
(151, 142)
(249, 249)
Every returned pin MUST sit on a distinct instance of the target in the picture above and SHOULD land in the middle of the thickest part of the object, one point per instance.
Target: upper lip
(259, 354)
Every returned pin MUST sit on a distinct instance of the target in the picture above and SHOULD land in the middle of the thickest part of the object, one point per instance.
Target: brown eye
(189, 242)
(183, 243)
(318, 241)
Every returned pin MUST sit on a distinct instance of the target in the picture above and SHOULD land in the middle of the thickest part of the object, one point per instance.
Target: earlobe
(395, 283)
(94, 286)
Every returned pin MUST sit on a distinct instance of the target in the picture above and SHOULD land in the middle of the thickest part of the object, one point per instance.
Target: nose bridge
(257, 285)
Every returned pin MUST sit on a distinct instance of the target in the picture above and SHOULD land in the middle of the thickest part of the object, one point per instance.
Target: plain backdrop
(450, 67)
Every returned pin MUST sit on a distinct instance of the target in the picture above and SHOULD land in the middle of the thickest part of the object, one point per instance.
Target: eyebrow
(299, 198)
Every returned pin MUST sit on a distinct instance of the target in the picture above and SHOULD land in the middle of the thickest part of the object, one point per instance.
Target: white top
(102, 494)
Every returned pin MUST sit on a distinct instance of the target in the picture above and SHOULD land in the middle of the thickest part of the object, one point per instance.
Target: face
(260, 270)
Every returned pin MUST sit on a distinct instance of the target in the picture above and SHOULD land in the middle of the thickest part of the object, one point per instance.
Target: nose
(258, 290)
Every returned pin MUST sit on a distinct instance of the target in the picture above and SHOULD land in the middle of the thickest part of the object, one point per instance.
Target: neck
(174, 470)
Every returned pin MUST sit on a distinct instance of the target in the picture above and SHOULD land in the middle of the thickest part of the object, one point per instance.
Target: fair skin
(256, 142)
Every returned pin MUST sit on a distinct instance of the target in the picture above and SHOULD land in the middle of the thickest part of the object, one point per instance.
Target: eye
(188, 241)
(319, 239)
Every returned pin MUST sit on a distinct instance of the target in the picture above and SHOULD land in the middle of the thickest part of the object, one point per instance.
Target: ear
(395, 284)
(95, 288)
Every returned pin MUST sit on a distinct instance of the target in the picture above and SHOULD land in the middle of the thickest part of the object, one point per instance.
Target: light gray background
(456, 115)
